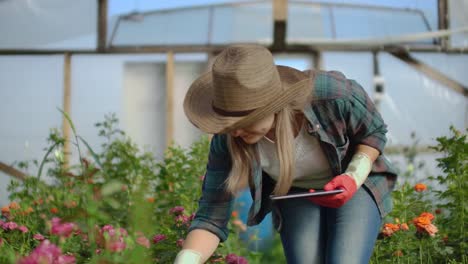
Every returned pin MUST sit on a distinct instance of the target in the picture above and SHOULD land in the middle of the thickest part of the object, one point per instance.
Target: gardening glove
(188, 256)
(357, 172)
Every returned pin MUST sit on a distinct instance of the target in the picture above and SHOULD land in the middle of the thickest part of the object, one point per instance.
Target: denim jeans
(314, 234)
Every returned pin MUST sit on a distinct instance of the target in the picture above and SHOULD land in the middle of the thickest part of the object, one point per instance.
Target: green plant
(118, 205)
(427, 224)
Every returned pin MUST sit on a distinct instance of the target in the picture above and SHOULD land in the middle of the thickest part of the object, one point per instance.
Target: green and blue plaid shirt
(341, 115)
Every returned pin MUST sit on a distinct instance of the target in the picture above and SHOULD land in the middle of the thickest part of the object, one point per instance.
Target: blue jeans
(314, 234)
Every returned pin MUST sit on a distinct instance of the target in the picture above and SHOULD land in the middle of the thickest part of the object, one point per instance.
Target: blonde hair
(244, 155)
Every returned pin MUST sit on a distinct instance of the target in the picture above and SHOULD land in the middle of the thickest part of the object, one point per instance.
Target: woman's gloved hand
(344, 182)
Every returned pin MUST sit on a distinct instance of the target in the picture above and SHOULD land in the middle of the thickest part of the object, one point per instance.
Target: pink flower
(23, 229)
(62, 229)
(123, 232)
(182, 220)
(38, 237)
(143, 241)
(10, 226)
(177, 210)
(234, 259)
(180, 242)
(109, 229)
(158, 238)
(65, 259)
(47, 252)
(117, 246)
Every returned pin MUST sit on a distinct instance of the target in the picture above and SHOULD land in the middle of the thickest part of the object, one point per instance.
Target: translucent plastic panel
(409, 104)
(98, 90)
(361, 23)
(48, 24)
(127, 85)
(31, 90)
(415, 103)
(427, 7)
(453, 65)
(173, 27)
(307, 22)
(458, 10)
(186, 71)
(410, 98)
(242, 23)
(301, 62)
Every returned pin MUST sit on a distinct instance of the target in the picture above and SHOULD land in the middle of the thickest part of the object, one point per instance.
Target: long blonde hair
(244, 155)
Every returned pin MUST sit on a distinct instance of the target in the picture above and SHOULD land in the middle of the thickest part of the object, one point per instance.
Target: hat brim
(199, 98)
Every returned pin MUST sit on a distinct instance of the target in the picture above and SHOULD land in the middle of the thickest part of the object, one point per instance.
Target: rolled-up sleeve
(215, 205)
(364, 122)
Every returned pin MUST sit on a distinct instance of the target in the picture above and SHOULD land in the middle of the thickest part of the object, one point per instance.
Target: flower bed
(121, 206)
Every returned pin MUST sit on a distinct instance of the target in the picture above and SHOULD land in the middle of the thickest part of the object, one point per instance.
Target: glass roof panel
(218, 24)
(249, 22)
(308, 21)
(172, 27)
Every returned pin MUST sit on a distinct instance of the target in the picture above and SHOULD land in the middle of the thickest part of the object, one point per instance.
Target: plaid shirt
(341, 116)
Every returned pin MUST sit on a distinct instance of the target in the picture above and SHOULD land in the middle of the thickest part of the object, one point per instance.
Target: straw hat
(243, 86)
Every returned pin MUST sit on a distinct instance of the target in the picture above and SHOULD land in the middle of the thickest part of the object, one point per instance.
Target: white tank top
(312, 167)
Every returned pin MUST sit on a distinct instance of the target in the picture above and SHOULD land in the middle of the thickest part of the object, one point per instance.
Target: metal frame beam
(443, 21)
(430, 72)
(102, 25)
(9, 170)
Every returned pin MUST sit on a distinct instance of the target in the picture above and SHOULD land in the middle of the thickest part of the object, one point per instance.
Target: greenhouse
(100, 164)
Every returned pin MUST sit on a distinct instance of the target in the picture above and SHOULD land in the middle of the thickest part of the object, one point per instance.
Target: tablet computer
(305, 194)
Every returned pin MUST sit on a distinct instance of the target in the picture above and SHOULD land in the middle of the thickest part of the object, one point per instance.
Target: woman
(279, 130)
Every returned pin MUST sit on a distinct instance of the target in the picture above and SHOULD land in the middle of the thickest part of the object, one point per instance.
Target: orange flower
(423, 224)
(398, 253)
(389, 229)
(427, 215)
(404, 226)
(431, 229)
(54, 210)
(5, 209)
(150, 199)
(420, 187)
(235, 214)
(421, 221)
(14, 205)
